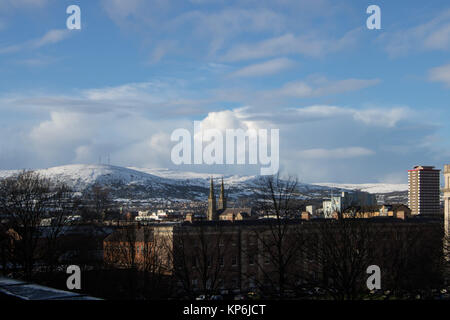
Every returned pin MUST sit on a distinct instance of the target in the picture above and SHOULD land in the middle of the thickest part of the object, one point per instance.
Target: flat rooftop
(17, 289)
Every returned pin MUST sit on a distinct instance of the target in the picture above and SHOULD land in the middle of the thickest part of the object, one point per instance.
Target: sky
(352, 105)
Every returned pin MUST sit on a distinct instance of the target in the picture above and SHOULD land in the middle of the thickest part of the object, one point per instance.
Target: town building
(241, 256)
(337, 204)
(447, 199)
(398, 211)
(221, 211)
(424, 190)
(311, 209)
(447, 218)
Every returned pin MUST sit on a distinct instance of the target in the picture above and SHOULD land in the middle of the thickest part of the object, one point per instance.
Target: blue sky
(352, 105)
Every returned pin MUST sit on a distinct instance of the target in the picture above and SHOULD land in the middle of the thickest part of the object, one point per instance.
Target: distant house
(134, 247)
(233, 214)
(347, 199)
(396, 211)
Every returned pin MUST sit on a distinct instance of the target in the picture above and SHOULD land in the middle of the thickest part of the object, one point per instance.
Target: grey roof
(29, 291)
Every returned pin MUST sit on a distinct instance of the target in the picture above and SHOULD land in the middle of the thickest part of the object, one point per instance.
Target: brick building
(248, 255)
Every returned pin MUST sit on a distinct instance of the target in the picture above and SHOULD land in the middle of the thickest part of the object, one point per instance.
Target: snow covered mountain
(368, 187)
(82, 176)
(141, 183)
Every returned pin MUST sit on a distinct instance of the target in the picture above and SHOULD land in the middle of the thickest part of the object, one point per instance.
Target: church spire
(222, 199)
(212, 212)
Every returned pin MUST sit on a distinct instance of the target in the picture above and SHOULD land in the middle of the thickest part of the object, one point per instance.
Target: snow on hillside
(7, 173)
(172, 174)
(195, 178)
(368, 187)
(80, 176)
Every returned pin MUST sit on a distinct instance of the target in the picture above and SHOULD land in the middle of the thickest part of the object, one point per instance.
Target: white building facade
(346, 200)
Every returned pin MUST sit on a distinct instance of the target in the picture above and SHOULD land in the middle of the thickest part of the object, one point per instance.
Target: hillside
(143, 183)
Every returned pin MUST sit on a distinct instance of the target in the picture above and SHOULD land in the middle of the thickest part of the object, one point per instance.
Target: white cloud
(55, 138)
(168, 99)
(50, 37)
(10, 49)
(264, 68)
(220, 26)
(431, 35)
(22, 4)
(321, 112)
(382, 117)
(441, 74)
(38, 61)
(230, 119)
(128, 91)
(119, 10)
(318, 142)
(161, 49)
(287, 44)
(337, 153)
(377, 117)
(70, 137)
(304, 89)
(311, 87)
(214, 29)
(222, 120)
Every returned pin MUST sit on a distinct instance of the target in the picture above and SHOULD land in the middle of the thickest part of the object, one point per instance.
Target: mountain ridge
(161, 182)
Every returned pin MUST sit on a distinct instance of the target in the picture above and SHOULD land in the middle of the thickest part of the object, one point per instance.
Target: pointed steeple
(222, 199)
(211, 188)
(212, 211)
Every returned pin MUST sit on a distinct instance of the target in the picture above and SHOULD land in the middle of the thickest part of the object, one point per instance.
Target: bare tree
(414, 257)
(277, 242)
(65, 205)
(343, 251)
(409, 254)
(154, 262)
(199, 252)
(26, 199)
(139, 255)
(121, 248)
(446, 252)
(98, 202)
